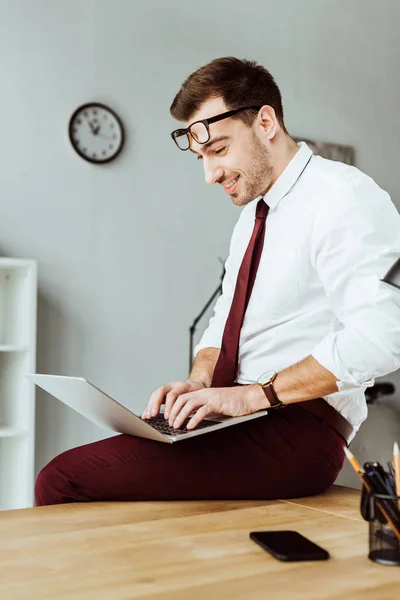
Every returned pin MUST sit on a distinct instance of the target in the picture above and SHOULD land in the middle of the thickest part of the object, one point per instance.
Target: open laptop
(104, 411)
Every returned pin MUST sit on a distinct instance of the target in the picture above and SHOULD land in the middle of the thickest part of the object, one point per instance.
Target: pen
(383, 478)
(365, 480)
(396, 464)
(375, 478)
(380, 484)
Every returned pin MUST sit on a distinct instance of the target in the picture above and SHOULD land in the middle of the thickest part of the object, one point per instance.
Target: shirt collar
(289, 176)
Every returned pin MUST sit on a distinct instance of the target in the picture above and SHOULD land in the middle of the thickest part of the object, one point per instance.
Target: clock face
(96, 133)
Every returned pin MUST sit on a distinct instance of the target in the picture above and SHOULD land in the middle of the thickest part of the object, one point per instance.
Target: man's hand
(231, 401)
(168, 394)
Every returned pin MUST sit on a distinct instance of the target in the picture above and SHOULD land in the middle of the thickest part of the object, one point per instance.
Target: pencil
(396, 464)
(354, 462)
(361, 473)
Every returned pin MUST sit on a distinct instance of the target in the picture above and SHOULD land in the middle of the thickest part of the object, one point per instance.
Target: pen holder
(384, 544)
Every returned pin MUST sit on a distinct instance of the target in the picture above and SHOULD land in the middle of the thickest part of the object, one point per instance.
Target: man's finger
(156, 399)
(172, 396)
(202, 412)
(178, 405)
(189, 407)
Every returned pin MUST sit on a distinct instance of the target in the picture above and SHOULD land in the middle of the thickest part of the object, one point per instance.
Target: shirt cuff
(327, 354)
(207, 342)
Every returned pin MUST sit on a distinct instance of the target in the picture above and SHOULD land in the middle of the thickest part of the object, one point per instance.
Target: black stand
(379, 390)
(192, 329)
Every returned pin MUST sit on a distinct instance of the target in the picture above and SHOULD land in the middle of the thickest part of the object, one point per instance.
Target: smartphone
(288, 545)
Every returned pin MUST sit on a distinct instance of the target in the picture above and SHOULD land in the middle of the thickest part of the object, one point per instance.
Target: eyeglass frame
(206, 122)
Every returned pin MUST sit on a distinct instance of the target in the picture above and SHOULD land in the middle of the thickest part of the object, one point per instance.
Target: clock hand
(105, 137)
(96, 129)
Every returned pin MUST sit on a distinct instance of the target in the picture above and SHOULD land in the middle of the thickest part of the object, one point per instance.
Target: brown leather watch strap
(271, 396)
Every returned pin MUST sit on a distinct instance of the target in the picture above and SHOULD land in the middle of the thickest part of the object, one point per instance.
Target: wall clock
(96, 133)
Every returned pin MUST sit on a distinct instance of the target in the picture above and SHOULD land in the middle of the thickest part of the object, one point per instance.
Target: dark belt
(327, 414)
(330, 416)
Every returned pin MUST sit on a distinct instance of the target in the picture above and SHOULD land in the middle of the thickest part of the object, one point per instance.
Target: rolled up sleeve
(356, 239)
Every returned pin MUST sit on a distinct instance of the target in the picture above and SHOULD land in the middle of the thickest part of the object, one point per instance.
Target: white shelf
(16, 263)
(18, 308)
(6, 431)
(13, 348)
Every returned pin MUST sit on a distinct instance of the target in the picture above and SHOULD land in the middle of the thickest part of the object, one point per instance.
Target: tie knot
(262, 209)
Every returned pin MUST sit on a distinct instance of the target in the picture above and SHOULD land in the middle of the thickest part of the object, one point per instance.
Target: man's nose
(212, 173)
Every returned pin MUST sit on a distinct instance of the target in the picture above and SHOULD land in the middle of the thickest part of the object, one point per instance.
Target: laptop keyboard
(161, 424)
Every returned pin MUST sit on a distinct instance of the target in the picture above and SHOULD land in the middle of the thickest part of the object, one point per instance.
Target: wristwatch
(266, 381)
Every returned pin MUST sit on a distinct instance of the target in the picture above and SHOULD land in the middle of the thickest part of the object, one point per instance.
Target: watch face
(96, 133)
(266, 376)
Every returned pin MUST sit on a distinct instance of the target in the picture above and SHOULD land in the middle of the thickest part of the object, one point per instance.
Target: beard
(258, 177)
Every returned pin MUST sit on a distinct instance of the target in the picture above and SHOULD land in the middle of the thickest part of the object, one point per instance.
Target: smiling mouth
(231, 183)
(231, 186)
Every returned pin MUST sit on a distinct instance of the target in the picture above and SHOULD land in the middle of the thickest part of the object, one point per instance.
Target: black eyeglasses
(200, 130)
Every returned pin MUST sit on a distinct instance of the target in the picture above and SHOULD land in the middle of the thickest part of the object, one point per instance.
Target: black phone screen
(288, 545)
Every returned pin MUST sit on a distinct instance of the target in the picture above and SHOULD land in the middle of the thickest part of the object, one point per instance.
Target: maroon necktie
(227, 363)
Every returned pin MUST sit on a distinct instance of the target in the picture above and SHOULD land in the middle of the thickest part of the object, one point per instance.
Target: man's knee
(50, 486)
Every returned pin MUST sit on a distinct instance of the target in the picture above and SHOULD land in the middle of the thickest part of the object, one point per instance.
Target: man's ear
(268, 122)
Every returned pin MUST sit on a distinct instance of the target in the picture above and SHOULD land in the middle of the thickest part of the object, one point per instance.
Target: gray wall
(128, 252)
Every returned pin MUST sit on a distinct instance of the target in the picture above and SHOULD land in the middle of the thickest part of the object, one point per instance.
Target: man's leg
(287, 453)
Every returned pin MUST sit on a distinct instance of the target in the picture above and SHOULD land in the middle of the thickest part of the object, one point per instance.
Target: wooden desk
(188, 551)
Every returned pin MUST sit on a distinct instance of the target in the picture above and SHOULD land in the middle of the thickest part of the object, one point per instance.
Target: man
(316, 327)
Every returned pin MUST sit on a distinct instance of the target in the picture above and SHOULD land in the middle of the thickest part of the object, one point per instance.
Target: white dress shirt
(331, 234)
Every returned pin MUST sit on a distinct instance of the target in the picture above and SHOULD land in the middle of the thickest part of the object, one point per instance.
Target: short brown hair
(239, 82)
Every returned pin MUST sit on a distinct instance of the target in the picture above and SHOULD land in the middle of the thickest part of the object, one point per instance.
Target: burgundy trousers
(285, 454)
